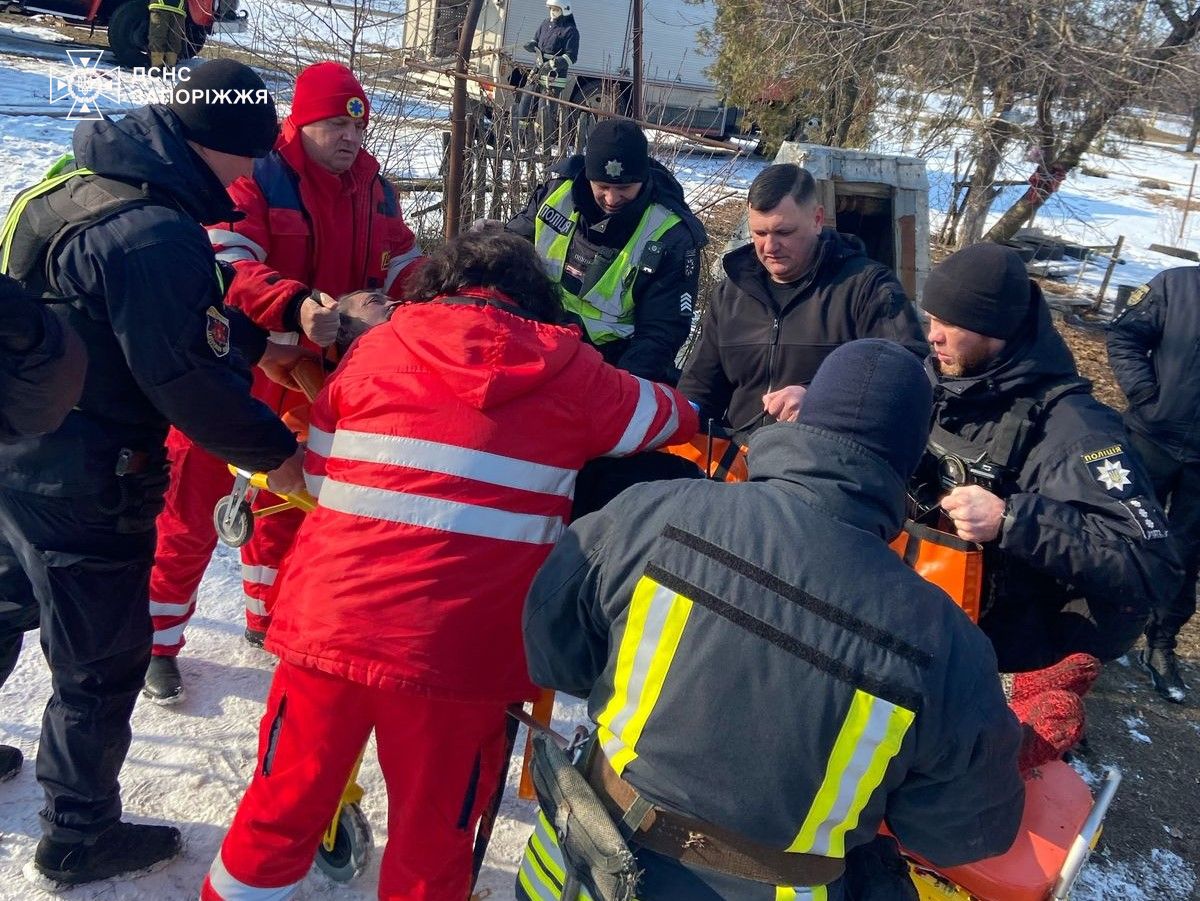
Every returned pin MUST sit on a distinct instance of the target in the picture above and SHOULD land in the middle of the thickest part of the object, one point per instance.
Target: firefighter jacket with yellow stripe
(637, 285)
(755, 656)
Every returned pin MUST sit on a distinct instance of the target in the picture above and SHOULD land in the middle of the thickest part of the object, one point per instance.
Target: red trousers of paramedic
(440, 759)
(187, 538)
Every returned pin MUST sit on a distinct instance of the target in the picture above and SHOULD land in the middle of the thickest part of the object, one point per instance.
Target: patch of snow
(1135, 724)
(1160, 875)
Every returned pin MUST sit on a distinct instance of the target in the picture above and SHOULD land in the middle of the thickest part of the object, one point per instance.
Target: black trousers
(86, 562)
(1177, 485)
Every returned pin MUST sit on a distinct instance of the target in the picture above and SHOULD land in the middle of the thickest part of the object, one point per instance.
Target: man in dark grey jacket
(1025, 461)
(1152, 350)
(757, 658)
(792, 295)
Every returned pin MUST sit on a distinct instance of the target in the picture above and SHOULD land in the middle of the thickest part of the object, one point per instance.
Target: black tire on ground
(129, 35)
(352, 846)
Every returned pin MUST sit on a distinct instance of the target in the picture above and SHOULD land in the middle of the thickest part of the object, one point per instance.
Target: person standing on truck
(556, 44)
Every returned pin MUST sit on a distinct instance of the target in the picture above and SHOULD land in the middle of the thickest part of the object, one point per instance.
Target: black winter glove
(531, 46)
(21, 324)
(560, 66)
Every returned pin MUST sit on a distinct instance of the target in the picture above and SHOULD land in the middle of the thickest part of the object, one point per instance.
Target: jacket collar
(833, 473)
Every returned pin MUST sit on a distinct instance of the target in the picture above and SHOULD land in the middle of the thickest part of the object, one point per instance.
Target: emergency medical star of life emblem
(1112, 475)
(86, 85)
(614, 168)
(355, 107)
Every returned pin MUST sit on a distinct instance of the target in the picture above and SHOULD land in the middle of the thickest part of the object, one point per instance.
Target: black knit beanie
(983, 288)
(225, 106)
(874, 392)
(617, 153)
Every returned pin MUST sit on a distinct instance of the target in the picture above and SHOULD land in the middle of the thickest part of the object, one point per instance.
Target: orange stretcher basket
(721, 459)
(947, 561)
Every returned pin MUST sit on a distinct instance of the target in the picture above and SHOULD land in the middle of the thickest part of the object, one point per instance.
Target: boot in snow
(10, 762)
(1052, 723)
(255, 637)
(120, 850)
(164, 684)
(1163, 668)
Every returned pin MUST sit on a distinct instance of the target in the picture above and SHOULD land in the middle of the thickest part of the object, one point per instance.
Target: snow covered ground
(188, 765)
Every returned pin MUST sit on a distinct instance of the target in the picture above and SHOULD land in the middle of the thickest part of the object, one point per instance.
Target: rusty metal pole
(635, 94)
(458, 122)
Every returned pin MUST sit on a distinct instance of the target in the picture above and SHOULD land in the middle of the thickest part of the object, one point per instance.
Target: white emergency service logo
(86, 85)
(613, 168)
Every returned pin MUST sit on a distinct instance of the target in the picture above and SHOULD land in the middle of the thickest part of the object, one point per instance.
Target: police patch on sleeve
(1138, 295)
(1146, 515)
(1110, 468)
(216, 331)
(689, 263)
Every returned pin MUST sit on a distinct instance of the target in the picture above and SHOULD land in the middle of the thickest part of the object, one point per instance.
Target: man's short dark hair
(774, 183)
(491, 258)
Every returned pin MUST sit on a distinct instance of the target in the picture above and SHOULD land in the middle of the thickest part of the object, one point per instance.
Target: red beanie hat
(326, 91)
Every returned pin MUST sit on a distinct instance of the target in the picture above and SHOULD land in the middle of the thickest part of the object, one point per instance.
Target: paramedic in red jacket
(320, 221)
(443, 453)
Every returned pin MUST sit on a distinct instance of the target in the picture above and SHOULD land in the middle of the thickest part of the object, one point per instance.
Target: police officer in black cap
(1025, 461)
(121, 247)
(614, 231)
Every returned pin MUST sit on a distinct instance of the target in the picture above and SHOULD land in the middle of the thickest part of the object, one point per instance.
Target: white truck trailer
(676, 90)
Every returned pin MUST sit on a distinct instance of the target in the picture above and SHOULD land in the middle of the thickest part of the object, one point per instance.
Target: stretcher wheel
(352, 848)
(239, 530)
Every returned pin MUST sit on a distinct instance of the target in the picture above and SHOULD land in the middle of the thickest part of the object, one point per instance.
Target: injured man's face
(361, 311)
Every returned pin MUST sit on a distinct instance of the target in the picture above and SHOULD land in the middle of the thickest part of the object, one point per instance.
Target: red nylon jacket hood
(443, 453)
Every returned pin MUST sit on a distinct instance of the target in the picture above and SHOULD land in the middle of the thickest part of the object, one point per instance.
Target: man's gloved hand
(531, 46)
(560, 64)
(319, 318)
(21, 326)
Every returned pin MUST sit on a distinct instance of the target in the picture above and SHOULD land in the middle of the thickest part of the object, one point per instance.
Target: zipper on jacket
(771, 354)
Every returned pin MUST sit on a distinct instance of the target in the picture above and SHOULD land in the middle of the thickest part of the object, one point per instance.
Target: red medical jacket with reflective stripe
(443, 453)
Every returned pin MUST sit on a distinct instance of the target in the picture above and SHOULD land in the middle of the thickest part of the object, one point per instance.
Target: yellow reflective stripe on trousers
(868, 740)
(653, 629)
(801, 893)
(542, 873)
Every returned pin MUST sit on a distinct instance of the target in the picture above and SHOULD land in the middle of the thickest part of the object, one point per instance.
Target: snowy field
(188, 765)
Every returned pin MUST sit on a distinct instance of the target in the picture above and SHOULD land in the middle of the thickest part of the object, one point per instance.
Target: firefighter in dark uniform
(1025, 461)
(768, 677)
(1152, 351)
(125, 249)
(613, 229)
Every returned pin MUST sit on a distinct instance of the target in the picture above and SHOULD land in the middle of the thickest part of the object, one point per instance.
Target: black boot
(122, 849)
(10, 762)
(256, 638)
(164, 684)
(1163, 668)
